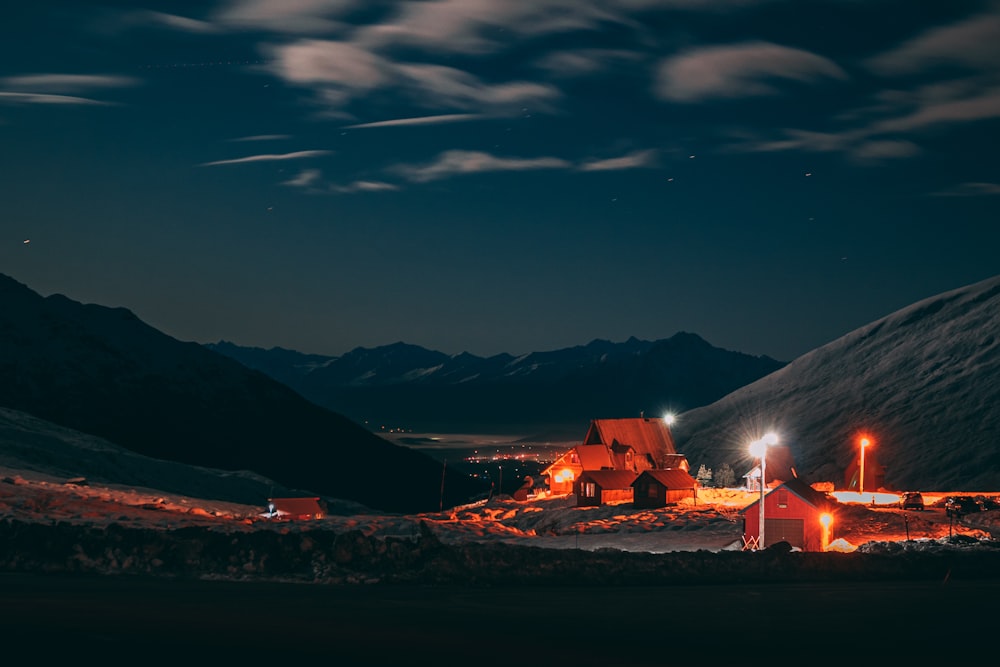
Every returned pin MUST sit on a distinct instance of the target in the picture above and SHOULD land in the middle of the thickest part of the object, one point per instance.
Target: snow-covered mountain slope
(923, 383)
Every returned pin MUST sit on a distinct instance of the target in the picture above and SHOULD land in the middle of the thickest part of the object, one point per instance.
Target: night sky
(500, 175)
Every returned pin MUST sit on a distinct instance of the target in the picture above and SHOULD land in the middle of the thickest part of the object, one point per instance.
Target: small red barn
(792, 513)
(657, 488)
(295, 508)
(598, 487)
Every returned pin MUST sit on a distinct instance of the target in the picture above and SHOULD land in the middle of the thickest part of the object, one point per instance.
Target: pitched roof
(610, 479)
(672, 479)
(297, 506)
(815, 498)
(807, 493)
(647, 436)
(780, 465)
(675, 461)
(594, 457)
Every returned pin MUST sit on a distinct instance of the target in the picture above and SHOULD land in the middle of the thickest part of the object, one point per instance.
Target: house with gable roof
(792, 513)
(630, 445)
(659, 488)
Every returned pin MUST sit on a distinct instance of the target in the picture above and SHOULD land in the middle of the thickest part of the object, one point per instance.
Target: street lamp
(825, 519)
(758, 448)
(861, 485)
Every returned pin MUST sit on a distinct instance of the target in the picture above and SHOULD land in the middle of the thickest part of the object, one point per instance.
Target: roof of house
(674, 478)
(594, 457)
(780, 465)
(674, 461)
(297, 506)
(610, 479)
(817, 499)
(645, 435)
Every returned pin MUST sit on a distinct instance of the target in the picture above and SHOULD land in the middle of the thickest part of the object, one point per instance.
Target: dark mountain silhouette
(923, 383)
(104, 372)
(408, 386)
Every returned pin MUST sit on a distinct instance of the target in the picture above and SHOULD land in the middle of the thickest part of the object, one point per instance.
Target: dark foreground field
(122, 620)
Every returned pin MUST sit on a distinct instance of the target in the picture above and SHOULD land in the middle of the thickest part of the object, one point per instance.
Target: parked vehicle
(912, 500)
(956, 506)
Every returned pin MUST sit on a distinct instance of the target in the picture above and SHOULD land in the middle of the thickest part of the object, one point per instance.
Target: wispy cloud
(973, 42)
(447, 86)
(66, 83)
(340, 72)
(176, 22)
(39, 98)
(855, 144)
(307, 17)
(972, 189)
(306, 178)
(743, 70)
(634, 160)
(585, 62)
(263, 137)
(451, 163)
(481, 26)
(365, 186)
(311, 181)
(422, 120)
(882, 149)
(298, 155)
(980, 106)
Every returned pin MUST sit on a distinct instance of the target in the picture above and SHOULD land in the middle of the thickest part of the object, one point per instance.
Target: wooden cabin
(631, 444)
(659, 488)
(600, 487)
(792, 512)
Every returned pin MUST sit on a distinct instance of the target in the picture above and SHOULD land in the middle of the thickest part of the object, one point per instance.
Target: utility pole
(444, 466)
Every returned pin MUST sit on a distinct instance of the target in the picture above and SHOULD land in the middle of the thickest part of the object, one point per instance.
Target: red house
(657, 488)
(598, 487)
(631, 444)
(295, 508)
(792, 513)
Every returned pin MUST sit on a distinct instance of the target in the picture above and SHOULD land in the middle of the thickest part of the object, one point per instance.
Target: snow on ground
(712, 523)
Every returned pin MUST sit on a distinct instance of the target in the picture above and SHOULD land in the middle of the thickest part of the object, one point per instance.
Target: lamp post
(758, 448)
(825, 519)
(861, 484)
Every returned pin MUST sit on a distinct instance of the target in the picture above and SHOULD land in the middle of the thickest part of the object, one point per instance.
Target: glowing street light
(861, 485)
(758, 448)
(669, 418)
(825, 520)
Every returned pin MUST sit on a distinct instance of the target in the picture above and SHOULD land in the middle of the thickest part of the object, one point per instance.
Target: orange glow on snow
(877, 497)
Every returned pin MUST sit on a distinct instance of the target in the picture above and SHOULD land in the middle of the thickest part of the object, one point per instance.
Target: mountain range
(103, 372)
(409, 387)
(923, 384)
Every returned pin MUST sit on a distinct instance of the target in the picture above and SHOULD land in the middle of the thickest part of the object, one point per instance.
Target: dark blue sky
(501, 175)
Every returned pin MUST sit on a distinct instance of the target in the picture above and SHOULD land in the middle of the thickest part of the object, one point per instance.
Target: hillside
(103, 372)
(923, 383)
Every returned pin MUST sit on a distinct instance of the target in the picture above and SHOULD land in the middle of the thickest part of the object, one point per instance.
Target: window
(589, 489)
(782, 498)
